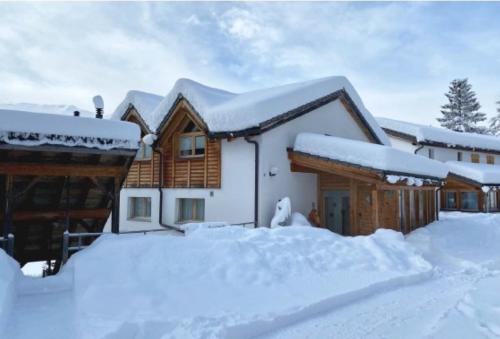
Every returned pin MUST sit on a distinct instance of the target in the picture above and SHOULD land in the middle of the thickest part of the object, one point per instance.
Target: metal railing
(8, 244)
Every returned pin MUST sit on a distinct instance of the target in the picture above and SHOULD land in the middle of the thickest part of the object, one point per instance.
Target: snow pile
(223, 111)
(34, 129)
(230, 281)
(9, 274)
(435, 134)
(485, 174)
(373, 156)
(45, 108)
(282, 213)
(143, 102)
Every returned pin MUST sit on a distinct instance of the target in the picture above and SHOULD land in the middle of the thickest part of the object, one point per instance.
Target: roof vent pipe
(76, 113)
(99, 106)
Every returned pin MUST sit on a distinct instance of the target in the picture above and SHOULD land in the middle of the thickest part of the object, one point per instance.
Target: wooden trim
(37, 169)
(99, 213)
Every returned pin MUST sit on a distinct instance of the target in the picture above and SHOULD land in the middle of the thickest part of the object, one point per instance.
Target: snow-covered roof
(442, 136)
(34, 129)
(484, 174)
(372, 156)
(45, 108)
(145, 103)
(226, 112)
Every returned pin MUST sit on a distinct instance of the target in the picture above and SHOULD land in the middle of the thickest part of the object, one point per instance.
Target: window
(191, 210)
(474, 157)
(139, 208)
(431, 153)
(493, 200)
(459, 156)
(191, 145)
(490, 159)
(450, 200)
(144, 152)
(469, 200)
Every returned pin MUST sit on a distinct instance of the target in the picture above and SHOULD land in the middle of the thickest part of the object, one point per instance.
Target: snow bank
(224, 111)
(435, 134)
(216, 282)
(9, 274)
(378, 157)
(34, 129)
(485, 174)
(143, 102)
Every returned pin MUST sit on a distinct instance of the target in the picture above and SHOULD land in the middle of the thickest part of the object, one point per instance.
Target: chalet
(59, 173)
(212, 155)
(473, 176)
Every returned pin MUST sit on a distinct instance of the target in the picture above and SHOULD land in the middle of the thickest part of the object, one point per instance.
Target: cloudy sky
(399, 56)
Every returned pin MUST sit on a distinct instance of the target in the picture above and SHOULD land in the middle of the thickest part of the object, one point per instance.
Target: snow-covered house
(222, 156)
(471, 158)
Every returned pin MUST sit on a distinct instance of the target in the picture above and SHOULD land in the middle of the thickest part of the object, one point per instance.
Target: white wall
(234, 201)
(401, 144)
(330, 119)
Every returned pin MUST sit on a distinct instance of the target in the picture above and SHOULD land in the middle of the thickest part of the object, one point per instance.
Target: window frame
(193, 136)
(431, 153)
(460, 156)
(132, 209)
(462, 201)
(455, 194)
(194, 210)
(142, 151)
(490, 159)
(473, 156)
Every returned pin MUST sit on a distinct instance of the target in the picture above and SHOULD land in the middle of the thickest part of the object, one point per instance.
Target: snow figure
(461, 113)
(282, 213)
(149, 139)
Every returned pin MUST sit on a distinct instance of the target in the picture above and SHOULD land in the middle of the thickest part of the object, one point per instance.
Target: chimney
(76, 113)
(99, 106)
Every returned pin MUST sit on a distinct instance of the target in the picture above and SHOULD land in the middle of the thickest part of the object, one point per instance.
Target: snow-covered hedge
(9, 273)
(222, 281)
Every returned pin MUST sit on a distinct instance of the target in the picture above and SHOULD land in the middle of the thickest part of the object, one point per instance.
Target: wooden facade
(452, 196)
(166, 167)
(372, 202)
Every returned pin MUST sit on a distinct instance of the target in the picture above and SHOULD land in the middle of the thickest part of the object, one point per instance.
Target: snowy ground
(296, 282)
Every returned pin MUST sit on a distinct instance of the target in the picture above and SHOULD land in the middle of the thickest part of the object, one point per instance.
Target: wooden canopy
(46, 190)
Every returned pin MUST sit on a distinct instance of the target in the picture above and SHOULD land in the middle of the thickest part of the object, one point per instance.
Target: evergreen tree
(495, 122)
(461, 113)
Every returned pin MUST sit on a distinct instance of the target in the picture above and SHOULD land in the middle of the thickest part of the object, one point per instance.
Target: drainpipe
(160, 190)
(418, 148)
(256, 190)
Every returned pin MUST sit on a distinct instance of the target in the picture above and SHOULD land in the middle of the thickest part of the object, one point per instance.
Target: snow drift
(218, 281)
(9, 274)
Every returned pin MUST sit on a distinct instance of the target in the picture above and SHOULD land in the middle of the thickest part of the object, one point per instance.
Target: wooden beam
(375, 214)
(99, 213)
(34, 169)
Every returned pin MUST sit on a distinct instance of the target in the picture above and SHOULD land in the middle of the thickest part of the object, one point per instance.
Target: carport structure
(60, 173)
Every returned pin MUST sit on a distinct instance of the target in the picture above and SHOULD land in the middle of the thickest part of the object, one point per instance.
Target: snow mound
(215, 279)
(9, 275)
(441, 135)
(377, 157)
(485, 174)
(143, 102)
(34, 129)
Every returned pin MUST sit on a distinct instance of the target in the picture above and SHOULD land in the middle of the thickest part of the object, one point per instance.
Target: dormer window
(191, 142)
(144, 152)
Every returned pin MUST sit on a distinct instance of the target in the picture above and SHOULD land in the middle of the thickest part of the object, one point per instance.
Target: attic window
(191, 145)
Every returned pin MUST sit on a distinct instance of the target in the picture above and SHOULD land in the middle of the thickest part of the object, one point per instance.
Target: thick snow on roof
(33, 129)
(224, 111)
(435, 134)
(485, 174)
(46, 108)
(378, 157)
(144, 103)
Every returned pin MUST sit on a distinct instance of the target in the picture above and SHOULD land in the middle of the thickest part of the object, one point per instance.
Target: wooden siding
(144, 173)
(457, 186)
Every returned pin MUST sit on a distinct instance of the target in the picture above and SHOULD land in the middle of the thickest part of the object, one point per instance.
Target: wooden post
(115, 213)
(401, 210)
(375, 216)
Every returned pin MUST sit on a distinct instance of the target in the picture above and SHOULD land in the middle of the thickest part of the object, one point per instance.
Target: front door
(337, 211)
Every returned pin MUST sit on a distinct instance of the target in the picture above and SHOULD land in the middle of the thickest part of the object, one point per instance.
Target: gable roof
(481, 174)
(143, 102)
(380, 158)
(230, 114)
(440, 136)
